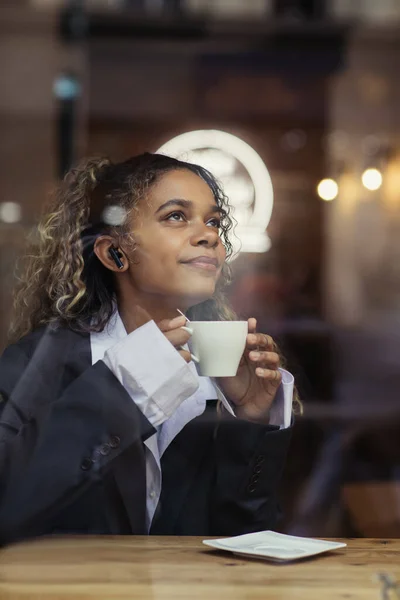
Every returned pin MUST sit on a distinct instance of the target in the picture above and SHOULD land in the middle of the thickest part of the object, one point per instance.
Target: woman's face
(178, 251)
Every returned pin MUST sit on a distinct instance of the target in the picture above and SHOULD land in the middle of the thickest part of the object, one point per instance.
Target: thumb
(252, 325)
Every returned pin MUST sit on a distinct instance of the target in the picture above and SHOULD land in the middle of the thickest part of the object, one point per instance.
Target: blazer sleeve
(249, 460)
(54, 445)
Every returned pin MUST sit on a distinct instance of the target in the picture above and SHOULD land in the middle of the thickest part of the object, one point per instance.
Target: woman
(100, 395)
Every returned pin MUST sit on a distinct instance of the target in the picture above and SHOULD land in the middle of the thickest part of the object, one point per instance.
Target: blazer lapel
(132, 489)
(132, 492)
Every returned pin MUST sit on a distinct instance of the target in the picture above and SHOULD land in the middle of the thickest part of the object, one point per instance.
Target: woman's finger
(171, 324)
(265, 359)
(272, 375)
(260, 340)
(177, 337)
(185, 355)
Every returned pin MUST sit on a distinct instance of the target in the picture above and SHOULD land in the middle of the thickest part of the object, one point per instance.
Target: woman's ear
(110, 255)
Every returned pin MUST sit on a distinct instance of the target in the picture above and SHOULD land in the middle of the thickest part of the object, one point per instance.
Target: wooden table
(183, 568)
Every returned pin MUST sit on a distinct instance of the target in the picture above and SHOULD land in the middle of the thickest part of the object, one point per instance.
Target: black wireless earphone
(116, 255)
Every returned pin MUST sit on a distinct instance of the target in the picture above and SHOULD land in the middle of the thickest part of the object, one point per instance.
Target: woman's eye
(175, 216)
(179, 216)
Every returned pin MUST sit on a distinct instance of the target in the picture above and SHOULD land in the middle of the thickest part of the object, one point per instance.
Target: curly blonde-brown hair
(63, 281)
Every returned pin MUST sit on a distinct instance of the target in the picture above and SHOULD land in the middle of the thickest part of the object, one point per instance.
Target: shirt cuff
(221, 397)
(281, 409)
(153, 373)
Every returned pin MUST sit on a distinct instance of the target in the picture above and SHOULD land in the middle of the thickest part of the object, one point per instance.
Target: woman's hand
(171, 328)
(254, 387)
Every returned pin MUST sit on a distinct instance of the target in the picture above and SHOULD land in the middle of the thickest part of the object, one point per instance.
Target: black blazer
(72, 455)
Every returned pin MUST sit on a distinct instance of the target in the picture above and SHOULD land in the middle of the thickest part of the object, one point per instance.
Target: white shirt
(167, 389)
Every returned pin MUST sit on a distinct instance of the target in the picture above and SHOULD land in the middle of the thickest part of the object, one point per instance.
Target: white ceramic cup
(218, 346)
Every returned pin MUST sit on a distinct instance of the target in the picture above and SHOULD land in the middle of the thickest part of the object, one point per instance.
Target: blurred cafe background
(294, 105)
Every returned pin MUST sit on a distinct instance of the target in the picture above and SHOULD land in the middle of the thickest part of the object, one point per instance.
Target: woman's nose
(205, 236)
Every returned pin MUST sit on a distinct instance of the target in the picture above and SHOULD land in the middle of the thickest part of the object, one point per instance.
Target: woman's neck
(135, 312)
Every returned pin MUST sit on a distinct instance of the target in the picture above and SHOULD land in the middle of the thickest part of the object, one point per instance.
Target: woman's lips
(208, 264)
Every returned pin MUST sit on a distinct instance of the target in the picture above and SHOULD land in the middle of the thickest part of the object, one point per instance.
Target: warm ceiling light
(327, 189)
(372, 179)
(10, 212)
